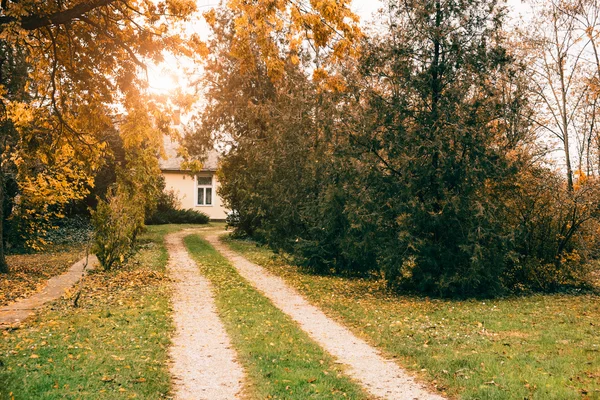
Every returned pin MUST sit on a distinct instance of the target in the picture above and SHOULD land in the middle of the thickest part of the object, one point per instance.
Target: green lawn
(537, 347)
(280, 360)
(114, 345)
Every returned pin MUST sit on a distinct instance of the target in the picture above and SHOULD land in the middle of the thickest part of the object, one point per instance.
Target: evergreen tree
(439, 128)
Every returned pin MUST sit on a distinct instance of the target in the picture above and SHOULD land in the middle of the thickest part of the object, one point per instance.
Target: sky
(365, 8)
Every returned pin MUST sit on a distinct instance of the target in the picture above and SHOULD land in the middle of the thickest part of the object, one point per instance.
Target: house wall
(184, 186)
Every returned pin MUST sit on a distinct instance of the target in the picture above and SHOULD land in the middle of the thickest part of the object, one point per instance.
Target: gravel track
(381, 377)
(203, 363)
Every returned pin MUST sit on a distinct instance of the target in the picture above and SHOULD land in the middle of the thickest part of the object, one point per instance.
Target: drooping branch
(33, 22)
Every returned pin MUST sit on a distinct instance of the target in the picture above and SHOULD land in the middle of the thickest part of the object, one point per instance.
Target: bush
(186, 216)
(555, 233)
(118, 222)
(167, 212)
(71, 230)
(30, 230)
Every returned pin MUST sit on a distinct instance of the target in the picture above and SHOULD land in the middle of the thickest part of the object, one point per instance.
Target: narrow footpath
(13, 314)
(381, 377)
(203, 363)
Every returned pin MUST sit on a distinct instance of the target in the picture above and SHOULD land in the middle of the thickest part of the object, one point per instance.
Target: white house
(195, 191)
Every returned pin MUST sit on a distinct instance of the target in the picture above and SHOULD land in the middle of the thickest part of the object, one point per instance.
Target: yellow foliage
(580, 179)
(20, 113)
(82, 82)
(277, 29)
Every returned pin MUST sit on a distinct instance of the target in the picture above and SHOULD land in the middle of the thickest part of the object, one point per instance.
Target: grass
(536, 347)
(29, 272)
(113, 346)
(280, 360)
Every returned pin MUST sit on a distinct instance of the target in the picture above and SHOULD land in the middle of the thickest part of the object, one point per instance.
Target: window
(204, 190)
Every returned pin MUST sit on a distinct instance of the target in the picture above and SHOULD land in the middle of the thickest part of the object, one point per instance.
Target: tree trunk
(436, 94)
(3, 264)
(568, 161)
(589, 167)
(564, 117)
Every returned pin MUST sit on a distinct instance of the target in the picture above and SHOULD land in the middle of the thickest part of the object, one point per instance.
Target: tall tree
(84, 63)
(260, 119)
(586, 13)
(280, 174)
(259, 91)
(13, 74)
(556, 49)
(443, 123)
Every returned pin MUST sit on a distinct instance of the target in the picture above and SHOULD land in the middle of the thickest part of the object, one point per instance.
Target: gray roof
(173, 160)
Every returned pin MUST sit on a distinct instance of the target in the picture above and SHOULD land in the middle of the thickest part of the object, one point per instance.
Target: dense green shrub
(70, 230)
(118, 221)
(184, 216)
(76, 229)
(167, 211)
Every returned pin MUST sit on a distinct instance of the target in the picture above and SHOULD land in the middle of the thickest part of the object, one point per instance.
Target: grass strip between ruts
(113, 346)
(280, 360)
(530, 347)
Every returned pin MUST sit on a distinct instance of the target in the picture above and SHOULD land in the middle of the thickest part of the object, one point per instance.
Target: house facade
(195, 191)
